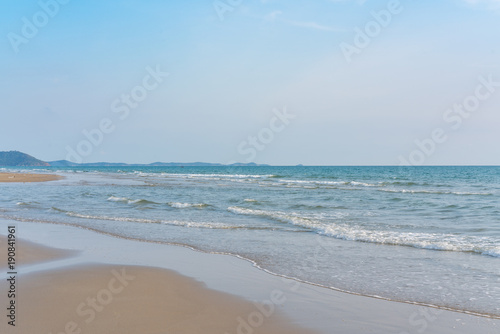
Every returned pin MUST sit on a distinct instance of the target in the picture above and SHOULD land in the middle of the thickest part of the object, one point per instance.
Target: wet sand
(115, 285)
(23, 177)
(97, 298)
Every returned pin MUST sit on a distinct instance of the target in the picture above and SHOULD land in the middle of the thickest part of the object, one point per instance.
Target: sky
(319, 82)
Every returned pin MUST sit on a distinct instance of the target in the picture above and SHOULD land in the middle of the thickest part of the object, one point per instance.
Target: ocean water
(427, 235)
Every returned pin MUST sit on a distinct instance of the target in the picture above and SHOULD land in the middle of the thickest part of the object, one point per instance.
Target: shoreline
(311, 306)
(128, 298)
(27, 177)
(257, 266)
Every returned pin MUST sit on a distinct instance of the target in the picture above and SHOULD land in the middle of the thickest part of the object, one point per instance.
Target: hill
(16, 158)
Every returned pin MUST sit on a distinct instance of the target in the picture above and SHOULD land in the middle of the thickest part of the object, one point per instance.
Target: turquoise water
(421, 234)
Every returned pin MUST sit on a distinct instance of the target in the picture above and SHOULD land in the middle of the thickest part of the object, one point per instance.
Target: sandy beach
(102, 284)
(97, 298)
(250, 167)
(32, 253)
(23, 177)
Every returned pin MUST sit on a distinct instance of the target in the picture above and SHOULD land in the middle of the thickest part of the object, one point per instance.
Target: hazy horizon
(131, 163)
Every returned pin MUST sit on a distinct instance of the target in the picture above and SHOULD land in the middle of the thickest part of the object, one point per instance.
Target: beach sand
(32, 253)
(97, 283)
(96, 298)
(23, 177)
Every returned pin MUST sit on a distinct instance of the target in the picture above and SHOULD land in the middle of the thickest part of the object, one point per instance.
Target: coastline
(125, 299)
(98, 298)
(28, 177)
(309, 306)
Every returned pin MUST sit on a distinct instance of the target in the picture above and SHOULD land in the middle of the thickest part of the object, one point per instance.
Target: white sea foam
(236, 176)
(422, 191)
(211, 176)
(118, 199)
(345, 231)
(129, 200)
(494, 251)
(218, 226)
(364, 184)
(27, 204)
(191, 224)
(355, 183)
(276, 215)
(179, 205)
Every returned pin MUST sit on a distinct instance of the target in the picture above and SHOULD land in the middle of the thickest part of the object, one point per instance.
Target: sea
(424, 235)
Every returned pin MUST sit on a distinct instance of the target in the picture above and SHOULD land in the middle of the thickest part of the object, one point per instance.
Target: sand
(23, 177)
(29, 253)
(96, 298)
(178, 290)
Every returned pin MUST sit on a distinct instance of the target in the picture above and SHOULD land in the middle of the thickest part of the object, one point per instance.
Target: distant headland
(16, 158)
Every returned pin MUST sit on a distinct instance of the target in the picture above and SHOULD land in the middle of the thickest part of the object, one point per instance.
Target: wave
(353, 185)
(276, 215)
(309, 206)
(433, 241)
(435, 192)
(335, 183)
(27, 204)
(117, 199)
(123, 219)
(412, 183)
(58, 210)
(182, 223)
(210, 176)
(151, 221)
(380, 186)
(179, 205)
(401, 183)
(130, 201)
(236, 176)
(272, 180)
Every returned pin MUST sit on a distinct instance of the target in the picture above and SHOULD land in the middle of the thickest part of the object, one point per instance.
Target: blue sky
(233, 68)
